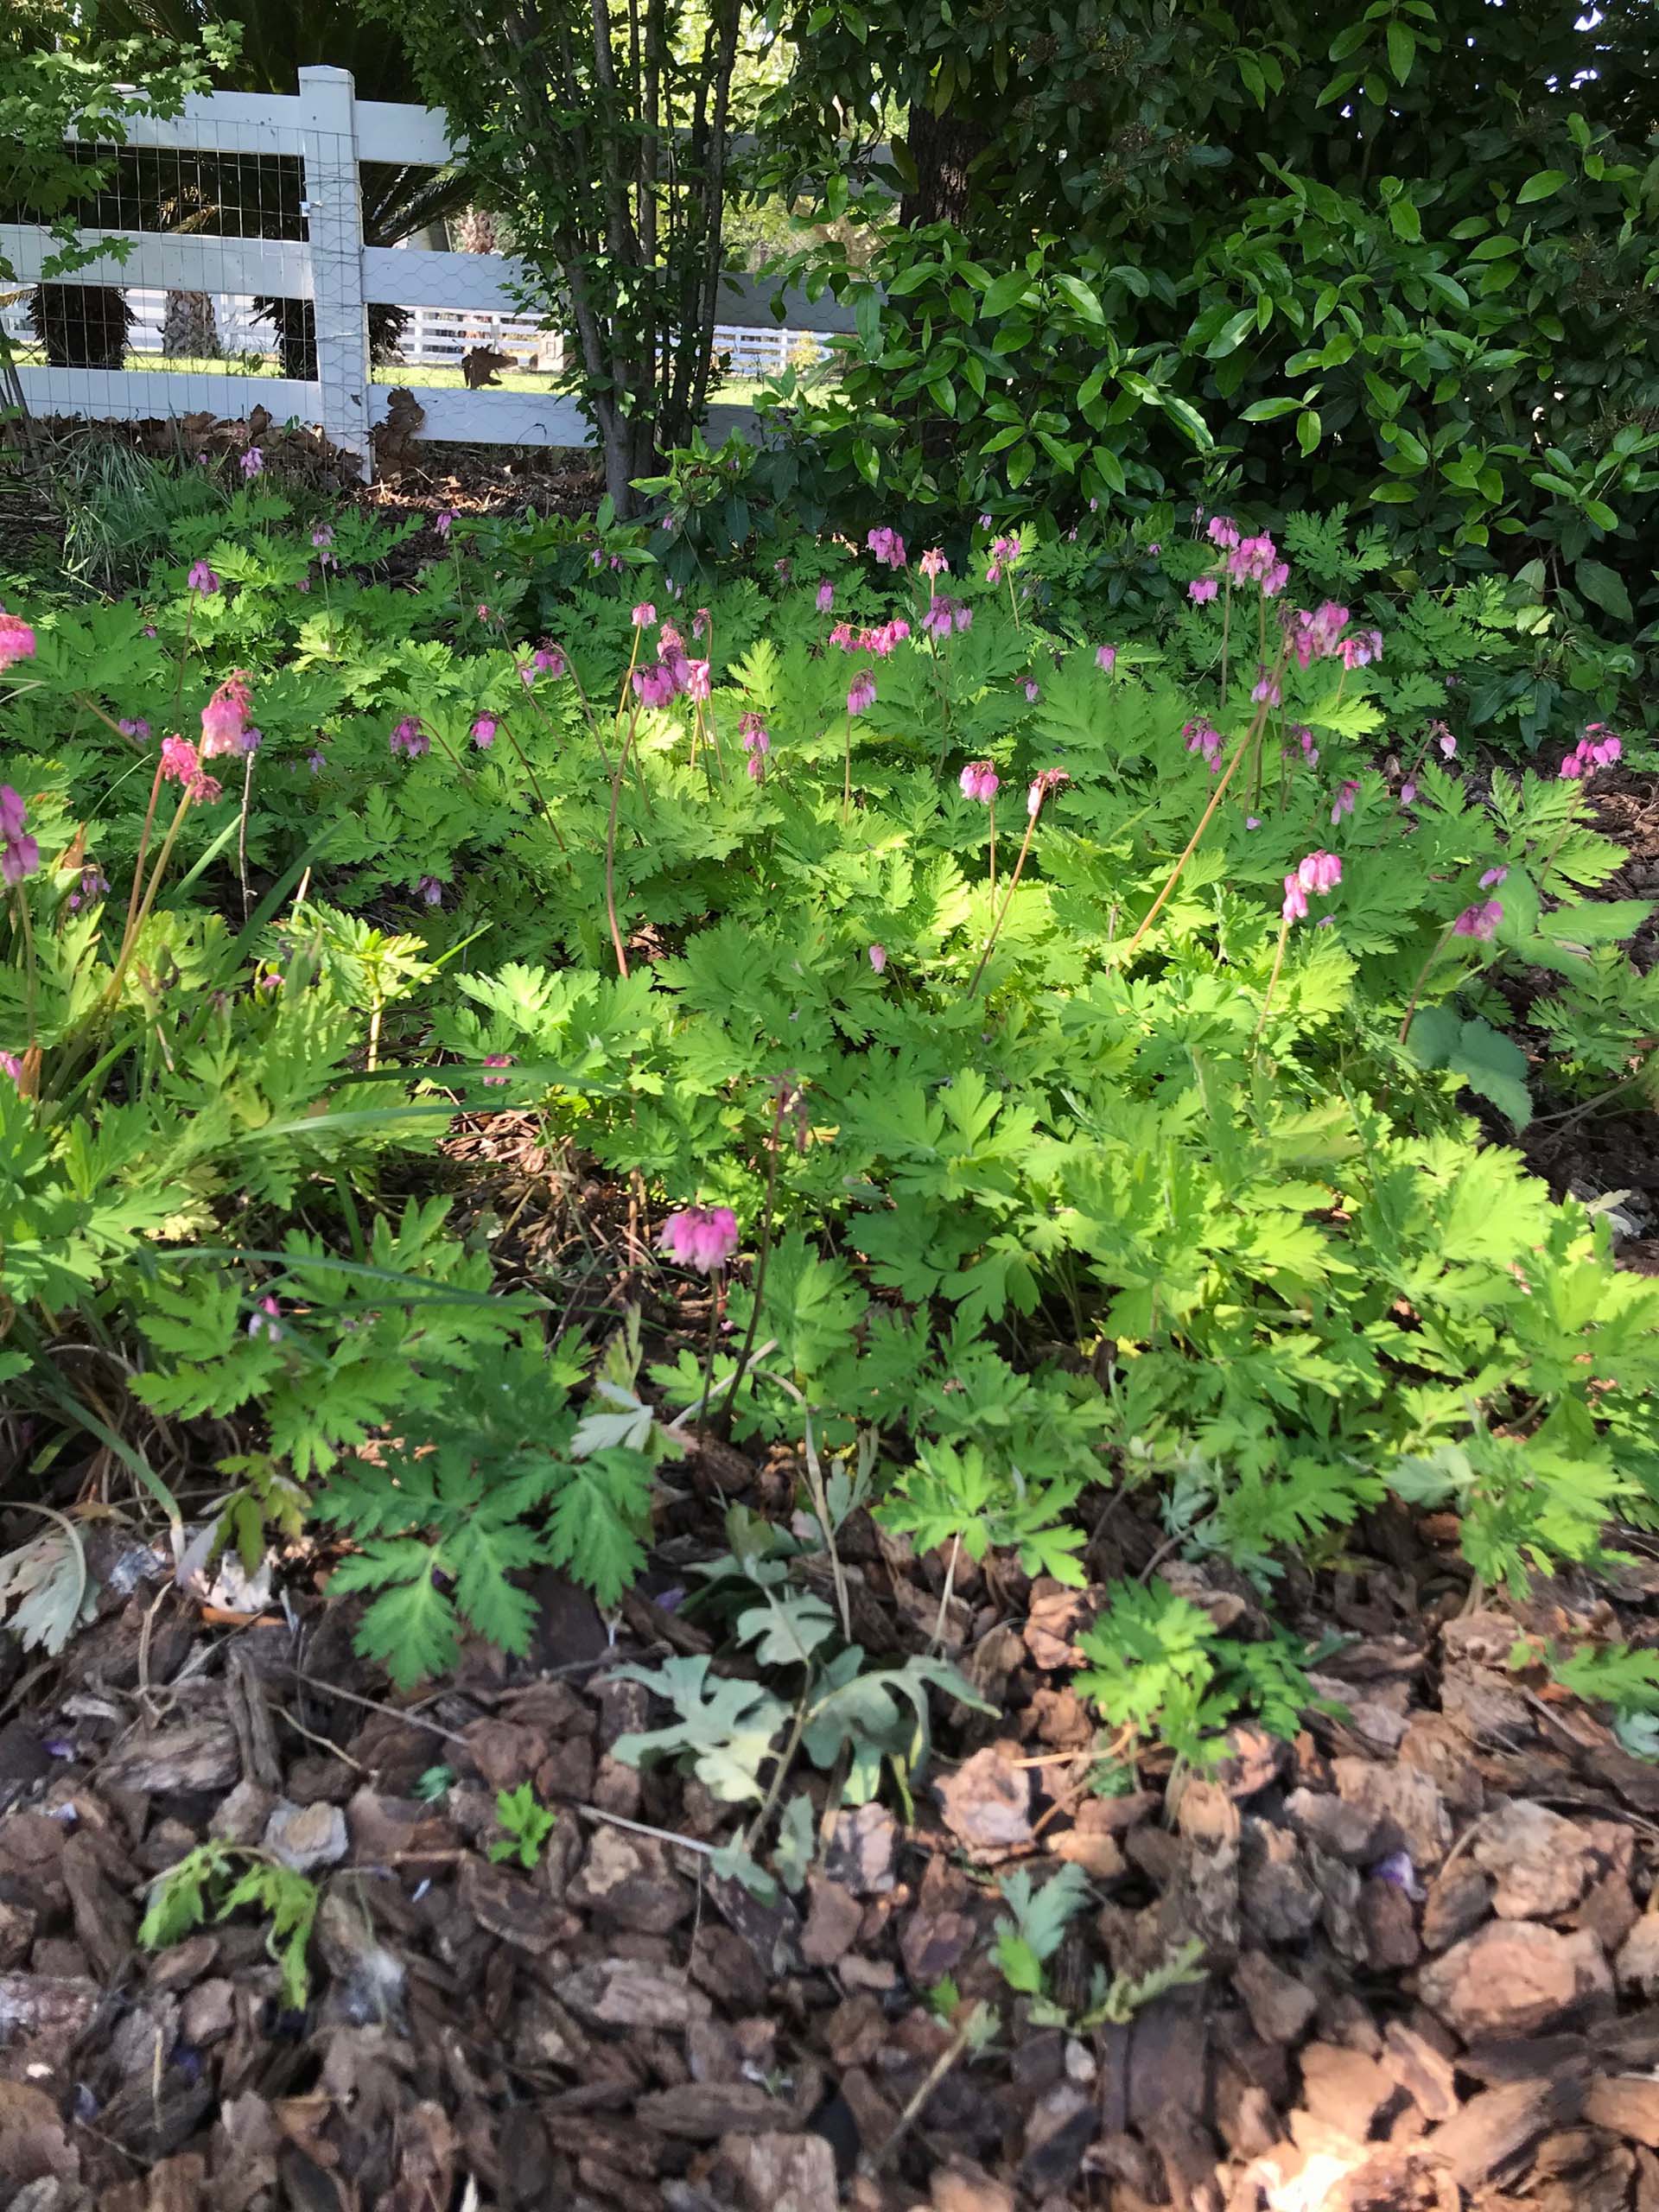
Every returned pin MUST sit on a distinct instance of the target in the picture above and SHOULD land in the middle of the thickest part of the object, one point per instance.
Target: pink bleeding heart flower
(443, 522)
(979, 780)
(1479, 920)
(703, 1237)
(644, 615)
(1106, 658)
(225, 717)
(1343, 804)
(1493, 877)
(933, 562)
(409, 739)
(484, 730)
(497, 1060)
(878, 957)
(826, 596)
(860, 692)
(252, 463)
(1320, 872)
(20, 855)
(431, 890)
(201, 579)
(16, 640)
(1044, 784)
(1201, 590)
(888, 547)
(1295, 905)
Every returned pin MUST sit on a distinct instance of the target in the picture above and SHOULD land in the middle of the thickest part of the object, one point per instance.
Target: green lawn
(740, 392)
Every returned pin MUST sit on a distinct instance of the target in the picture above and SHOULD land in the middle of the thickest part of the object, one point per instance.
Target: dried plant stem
(1191, 845)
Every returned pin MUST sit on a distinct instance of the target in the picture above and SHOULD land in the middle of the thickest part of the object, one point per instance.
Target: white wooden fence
(460, 299)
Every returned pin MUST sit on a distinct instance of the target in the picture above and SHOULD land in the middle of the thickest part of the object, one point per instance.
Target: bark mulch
(1430, 1926)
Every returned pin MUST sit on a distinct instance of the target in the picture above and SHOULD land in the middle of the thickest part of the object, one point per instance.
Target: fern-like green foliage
(448, 1519)
(215, 1880)
(1158, 1665)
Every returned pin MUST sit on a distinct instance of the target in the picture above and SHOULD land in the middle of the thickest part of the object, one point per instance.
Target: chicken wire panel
(213, 285)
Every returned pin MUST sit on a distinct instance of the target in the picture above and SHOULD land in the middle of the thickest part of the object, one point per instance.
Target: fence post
(334, 226)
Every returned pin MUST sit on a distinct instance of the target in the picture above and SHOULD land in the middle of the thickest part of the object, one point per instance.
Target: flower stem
(1191, 846)
(30, 993)
(1278, 963)
(112, 988)
(992, 807)
(715, 1286)
(1008, 900)
(723, 1422)
(610, 865)
(1435, 951)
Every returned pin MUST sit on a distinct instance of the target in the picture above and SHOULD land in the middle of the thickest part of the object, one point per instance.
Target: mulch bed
(1431, 1927)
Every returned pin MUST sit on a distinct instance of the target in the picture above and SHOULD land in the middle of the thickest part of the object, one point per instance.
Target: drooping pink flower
(878, 957)
(265, 1320)
(443, 522)
(16, 639)
(1265, 689)
(1319, 872)
(703, 1237)
(179, 762)
(695, 684)
(410, 739)
(654, 686)
(548, 660)
(323, 534)
(1106, 658)
(860, 692)
(888, 547)
(1362, 649)
(181, 765)
(842, 635)
(945, 615)
(496, 1061)
(933, 562)
(1344, 803)
(1200, 738)
(1408, 793)
(700, 623)
(19, 854)
(1034, 691)
(252, 463)
(1005, 551)
(753, 731)
(1044, 785)
(1448, 744)
(11, 1066)
(756, 762)
(431, 890)
(201, 579)
(644, 615)
(1316, 636)
(1223, 531)
(1479, 920)
(826, 596)
(1201, 590)
(979, 780)
(1295, 908)
(225, 717)
(484, 730)
(138, 728)
(1493, 877)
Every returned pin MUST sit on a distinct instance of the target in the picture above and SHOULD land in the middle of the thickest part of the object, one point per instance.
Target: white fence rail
(458, 301)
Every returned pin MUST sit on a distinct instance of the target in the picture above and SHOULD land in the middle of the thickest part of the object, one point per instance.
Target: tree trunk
(189, 327)
(941, 147)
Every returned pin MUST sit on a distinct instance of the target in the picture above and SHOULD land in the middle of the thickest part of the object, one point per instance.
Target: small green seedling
(181, 1899)
(435, 1783)
(528, 1826)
